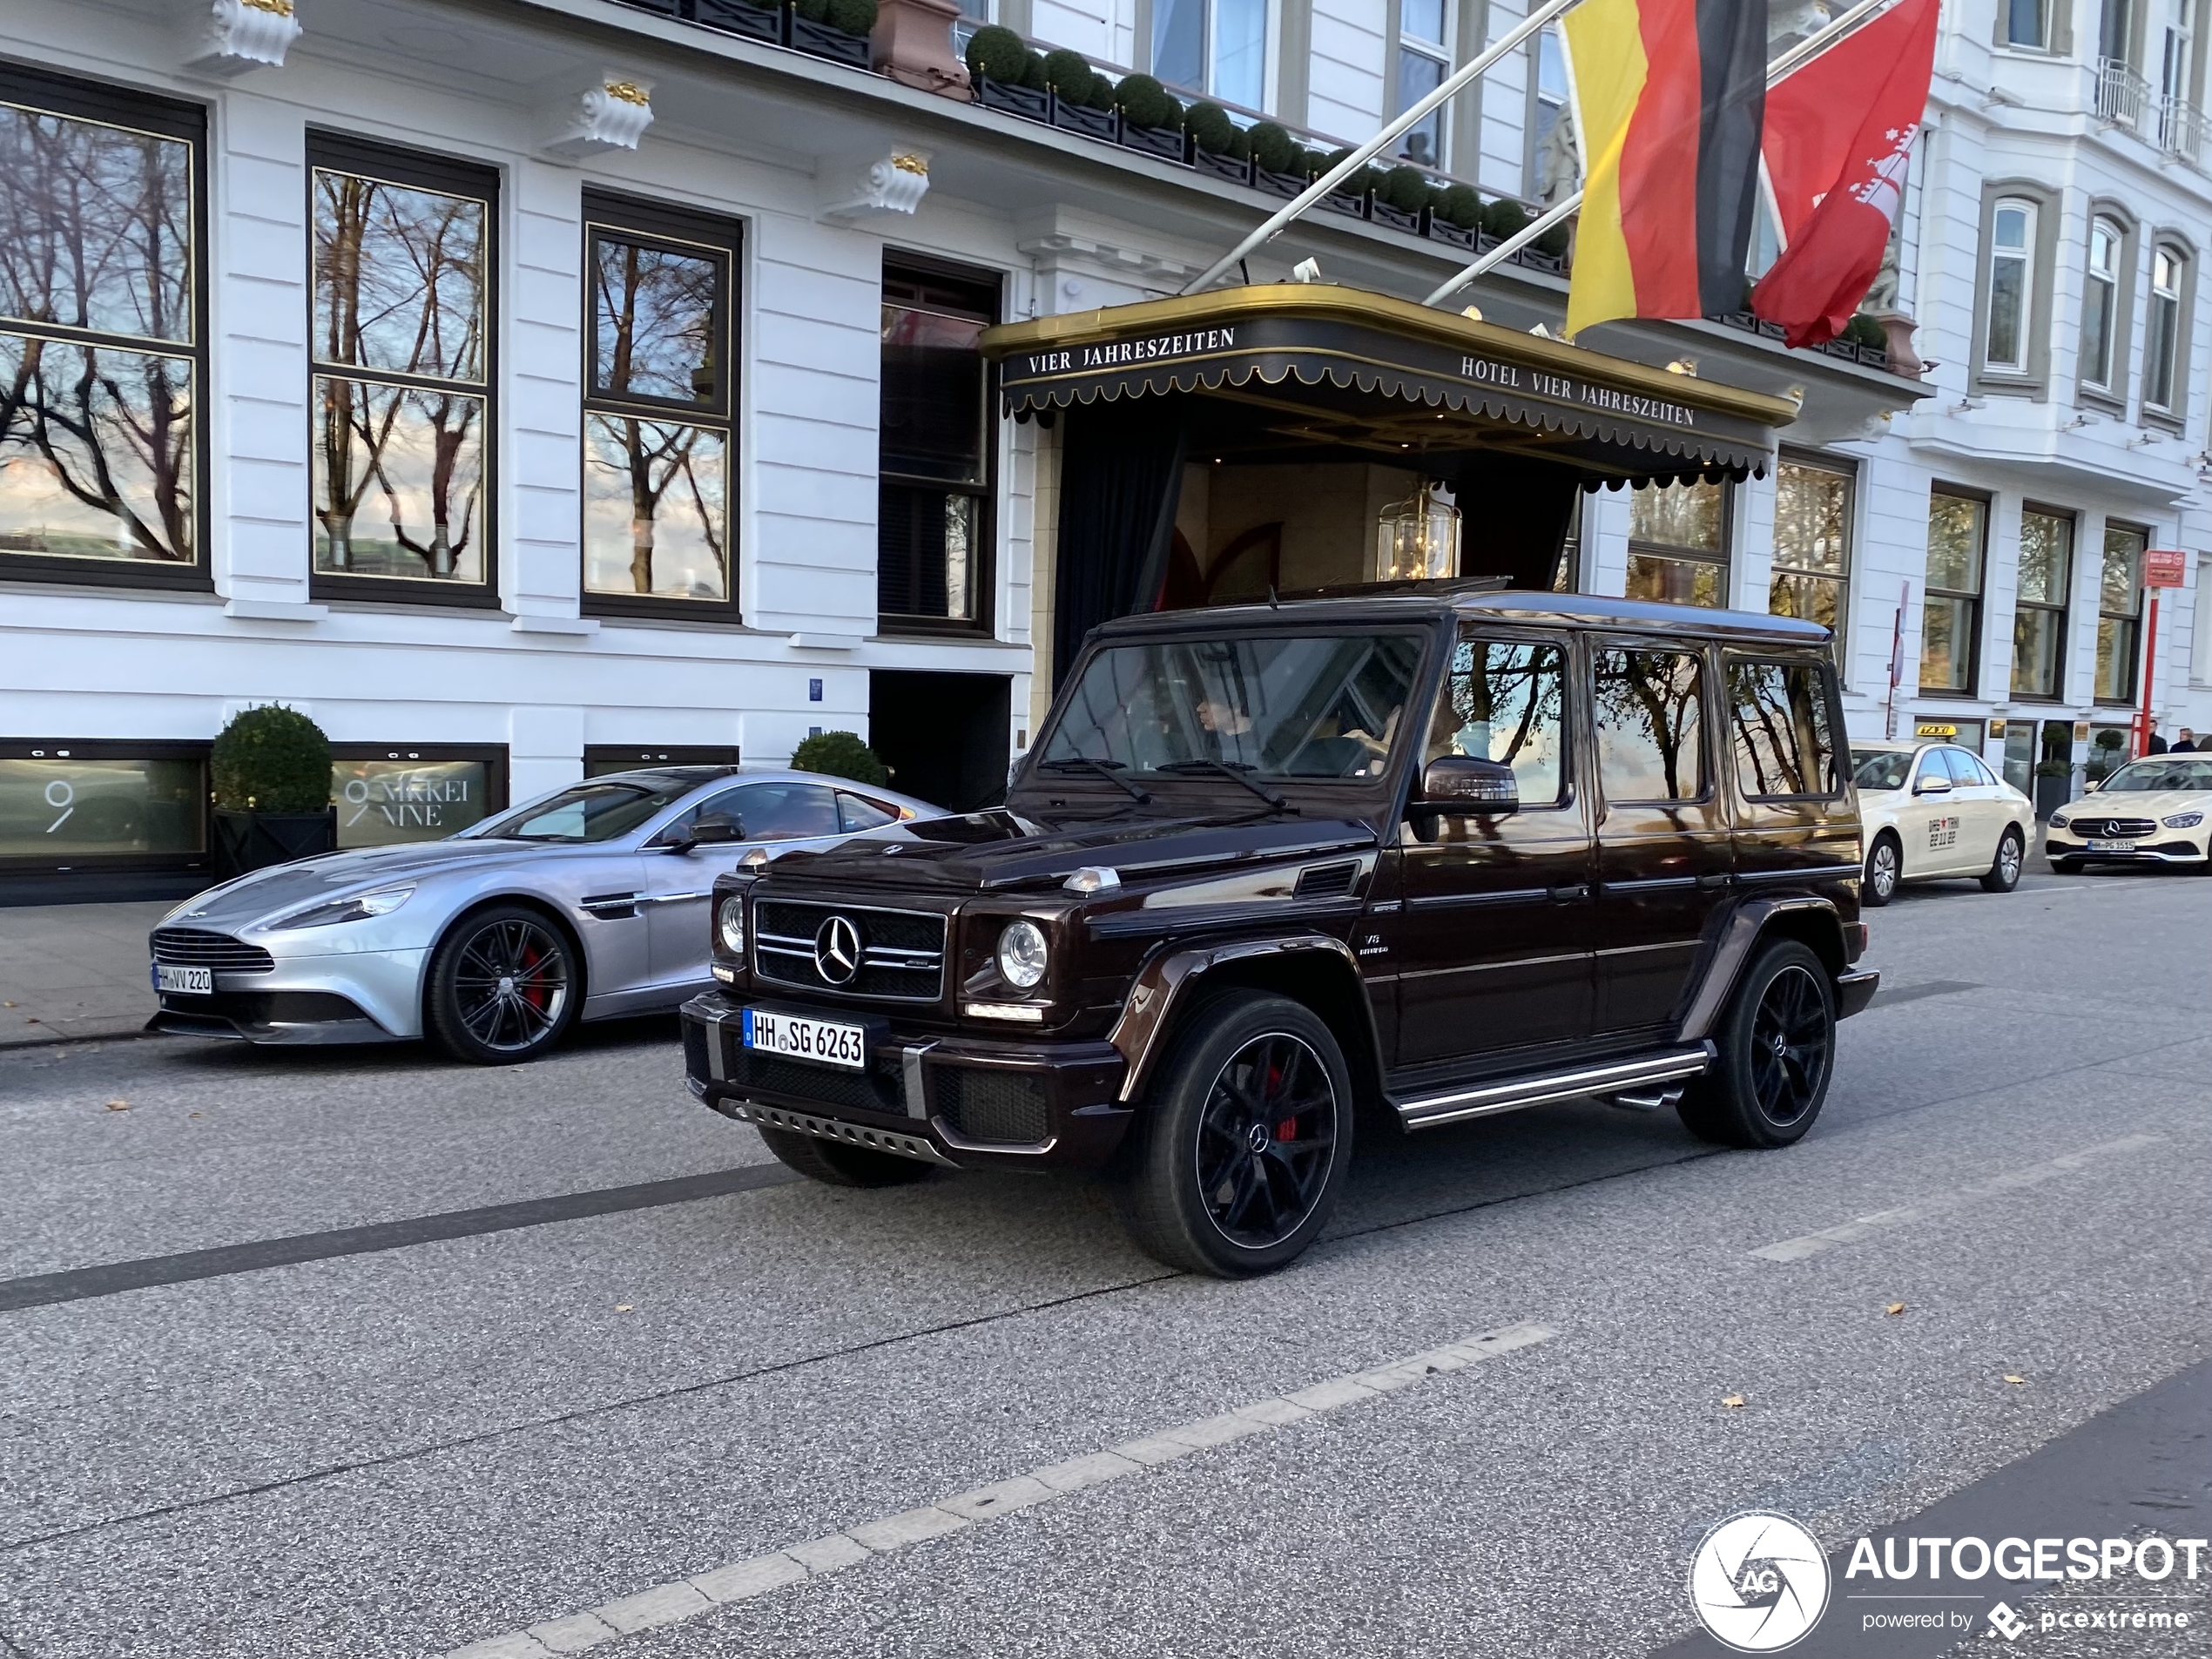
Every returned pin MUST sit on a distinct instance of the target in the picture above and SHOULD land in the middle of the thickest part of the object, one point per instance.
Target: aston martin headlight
(2183, 821)
(728, 925)
(360, 908)
(1022, 954)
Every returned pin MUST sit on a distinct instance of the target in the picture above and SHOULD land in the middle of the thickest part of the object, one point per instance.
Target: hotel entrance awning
(1320, 367)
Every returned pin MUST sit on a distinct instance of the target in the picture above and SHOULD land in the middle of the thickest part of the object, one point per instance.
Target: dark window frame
(1569, 795)
(117, 749)
(2063, 610)
(333, 151)
(493, 755)
(1848, 471)
(2132, 675)
(1723, 560)
(650, 756)
(622, 218)
(1708, 768)
(1974, 597)
(114, 105)
(927, 284)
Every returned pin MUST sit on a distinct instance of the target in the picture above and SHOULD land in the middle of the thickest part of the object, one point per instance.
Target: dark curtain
(1121, 473)
(1513, 514)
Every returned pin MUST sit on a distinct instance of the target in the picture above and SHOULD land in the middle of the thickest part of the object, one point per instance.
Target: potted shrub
(1151, 117)
(1506, 217)
(1354, 195)
(1218, 145)
(271, 769)
(1082, 99)
(2108, 758)
(755, 19)
(1401, 198)
(1007, 75)
(834, 29)
(841, 754)
(1455, 215)
(2053, 786)
(1278, 161)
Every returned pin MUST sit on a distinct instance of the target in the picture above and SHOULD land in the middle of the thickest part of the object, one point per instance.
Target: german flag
(1669, 97)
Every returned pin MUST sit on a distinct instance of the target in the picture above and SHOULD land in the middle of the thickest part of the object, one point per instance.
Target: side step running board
(1636, 1082)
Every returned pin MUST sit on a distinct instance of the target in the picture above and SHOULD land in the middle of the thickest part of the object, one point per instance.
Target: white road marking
(682, 1599)
(1797, 1250)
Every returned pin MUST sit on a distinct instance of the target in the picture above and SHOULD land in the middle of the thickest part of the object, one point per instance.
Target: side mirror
(1464, 783)
(713, 829)
(1928, 786)
(2092, 785)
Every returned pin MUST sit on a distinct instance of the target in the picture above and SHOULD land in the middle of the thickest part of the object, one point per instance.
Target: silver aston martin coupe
(584, 904)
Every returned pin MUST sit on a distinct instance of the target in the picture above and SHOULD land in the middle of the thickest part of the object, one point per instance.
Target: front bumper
(2174, 850)
(289, 1018)
(968, 1102)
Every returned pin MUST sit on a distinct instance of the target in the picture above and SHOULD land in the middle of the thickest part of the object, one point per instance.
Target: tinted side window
(1931, 769)
(786, 812)
(1504, 702)
(1779, 729)
(1649, 710)
(1966, 772)
(854, 813)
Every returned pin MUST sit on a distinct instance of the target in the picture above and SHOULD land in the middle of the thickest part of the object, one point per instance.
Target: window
(1951, 611)
(1424, 61)
(422, 792)
(2101, 304)
(601, 759)
(1967, 770)
(1932, 771)
(102, 359)
(2120, 610)
(938, 440)
(1551, 164)
(1812, 526)
(781, 812)
(1648, 711)
(856, 812)
(1678, 544)
(658, 453)
(89, 806)
(2027, 22)
(2039, 617)
(1214, 46)
(2162, 335)
(1785, 743)
(402, 337)
(1503, 703)
(2012, 285)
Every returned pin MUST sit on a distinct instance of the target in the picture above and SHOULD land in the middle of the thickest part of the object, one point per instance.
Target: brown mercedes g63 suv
(1451, 853)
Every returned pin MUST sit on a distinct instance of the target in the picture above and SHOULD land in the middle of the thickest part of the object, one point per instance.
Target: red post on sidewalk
(2163, 567)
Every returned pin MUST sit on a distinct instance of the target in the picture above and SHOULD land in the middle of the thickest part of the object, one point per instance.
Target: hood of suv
(996, 850)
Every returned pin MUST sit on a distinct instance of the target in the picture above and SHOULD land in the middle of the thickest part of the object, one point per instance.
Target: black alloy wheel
(1248, 1138)
(1884, 867)
(2004, 872)
(503, 987)
(1776, 1052)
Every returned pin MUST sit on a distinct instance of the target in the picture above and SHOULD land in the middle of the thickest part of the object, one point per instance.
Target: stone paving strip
(1797, 1250)
(687, 1598)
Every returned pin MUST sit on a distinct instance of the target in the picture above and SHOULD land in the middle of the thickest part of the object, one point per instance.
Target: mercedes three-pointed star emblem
(837, 951)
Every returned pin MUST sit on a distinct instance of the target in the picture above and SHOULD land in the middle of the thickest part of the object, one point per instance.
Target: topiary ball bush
(997, 54)
(271, 759)
(1213, 131)
(1033, 72)
(1556, 240)
(1144, 102)
(1359, 183)
(1503, 217)
(1404, 188)
(1068, 73)
(840, 755)
(1101, 96)
(1458, 204)
(1863, 330)
(1274, 149)
(812, 10)
(854, 16)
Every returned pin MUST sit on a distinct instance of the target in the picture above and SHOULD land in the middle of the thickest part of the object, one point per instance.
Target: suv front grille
(2112, 829)
(902, 952)
(1005, 1107)
(196, 948)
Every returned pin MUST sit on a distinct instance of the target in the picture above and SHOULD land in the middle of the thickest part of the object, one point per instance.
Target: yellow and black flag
(1670, 96)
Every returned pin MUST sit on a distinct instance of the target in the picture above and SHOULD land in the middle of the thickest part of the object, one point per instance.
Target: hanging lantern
(1417, 539)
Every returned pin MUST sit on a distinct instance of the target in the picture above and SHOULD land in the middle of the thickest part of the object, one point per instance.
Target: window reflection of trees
(1648, 709)
(97, 440)
(1509, 710)
(1784, 745)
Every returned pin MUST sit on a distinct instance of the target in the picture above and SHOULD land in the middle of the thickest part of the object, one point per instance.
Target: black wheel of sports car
(1248, 1138)
(1777, 1049)
(2004, 872)
(503, 987)
(834, 1165)
(1884, 865)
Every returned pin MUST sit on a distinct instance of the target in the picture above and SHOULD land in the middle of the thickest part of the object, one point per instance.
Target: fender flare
(1168, 982)
(1745, 928)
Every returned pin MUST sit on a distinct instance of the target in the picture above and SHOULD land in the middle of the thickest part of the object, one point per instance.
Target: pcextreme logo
(1759, 1582)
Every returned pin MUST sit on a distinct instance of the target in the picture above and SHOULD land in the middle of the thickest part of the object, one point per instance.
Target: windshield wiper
(1234, 771)
(1110, 770)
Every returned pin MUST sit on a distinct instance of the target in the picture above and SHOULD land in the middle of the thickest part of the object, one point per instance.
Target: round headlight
(728, 926)
(1021, 954)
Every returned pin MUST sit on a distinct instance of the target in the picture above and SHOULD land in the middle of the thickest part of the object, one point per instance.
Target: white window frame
(2024, 257)
(2103, 375)
(1440, 53)
(2042, 41)
(2162, 356)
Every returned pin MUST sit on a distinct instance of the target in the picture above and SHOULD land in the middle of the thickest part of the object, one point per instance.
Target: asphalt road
(406, 1436)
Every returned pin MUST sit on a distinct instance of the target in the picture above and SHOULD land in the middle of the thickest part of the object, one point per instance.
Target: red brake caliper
(1287, 1130)
(533, 989)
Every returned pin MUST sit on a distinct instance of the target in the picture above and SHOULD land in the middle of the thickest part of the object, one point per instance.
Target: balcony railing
(2175, 125)
(2122, 95)
(2181, 130)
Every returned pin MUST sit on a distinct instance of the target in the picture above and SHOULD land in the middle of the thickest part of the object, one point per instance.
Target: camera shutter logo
(837, 951)
(1759, 1582)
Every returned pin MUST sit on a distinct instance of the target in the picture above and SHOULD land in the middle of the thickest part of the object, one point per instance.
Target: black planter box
(825, 42)
(1441, 230)
(1398, 218)
(2051, 793)
(1237, 173)
(1285, 185)
(1015, 100)
(247, 841)
(659, 8)
(1081, 117)
(1338, 201)
(1153, 141)
(737, 18)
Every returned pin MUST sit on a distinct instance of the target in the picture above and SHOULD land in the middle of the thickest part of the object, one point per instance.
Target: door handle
(1573, 894)
(1715, 879)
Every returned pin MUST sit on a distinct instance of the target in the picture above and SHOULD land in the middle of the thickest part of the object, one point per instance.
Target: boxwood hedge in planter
(1218, 145)
(841, 754)
(1401, 198)
(1151, 116)
(271, 771)
(1082, 99)
(1455, 215)
(1354, 193)
(756, 21)
(835, 28)
(1007, 74)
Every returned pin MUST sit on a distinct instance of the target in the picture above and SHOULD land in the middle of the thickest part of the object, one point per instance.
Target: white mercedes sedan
(2151, 811)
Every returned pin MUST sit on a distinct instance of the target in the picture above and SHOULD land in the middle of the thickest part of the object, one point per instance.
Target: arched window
(2100, 307)
(2012, 285)
(2162, 339)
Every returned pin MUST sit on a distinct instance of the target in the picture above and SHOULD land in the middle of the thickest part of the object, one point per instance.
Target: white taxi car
(1934, 809)
(2152, 811)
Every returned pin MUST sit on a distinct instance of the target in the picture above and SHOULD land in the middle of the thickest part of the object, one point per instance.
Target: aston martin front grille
(196, 948)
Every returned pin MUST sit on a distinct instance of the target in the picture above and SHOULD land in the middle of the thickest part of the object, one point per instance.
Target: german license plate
(197, 981)
(825, 1042)
(2112, 847)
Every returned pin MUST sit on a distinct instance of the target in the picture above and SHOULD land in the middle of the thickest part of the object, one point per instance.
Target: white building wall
(1346, 97)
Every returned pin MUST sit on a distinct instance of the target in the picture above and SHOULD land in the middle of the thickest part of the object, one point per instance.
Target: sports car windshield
(602, 811)
(2161, 772)
(1880, 768)
(1268, 705)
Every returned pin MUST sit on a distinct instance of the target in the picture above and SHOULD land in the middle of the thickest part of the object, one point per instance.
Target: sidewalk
(75, 970)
